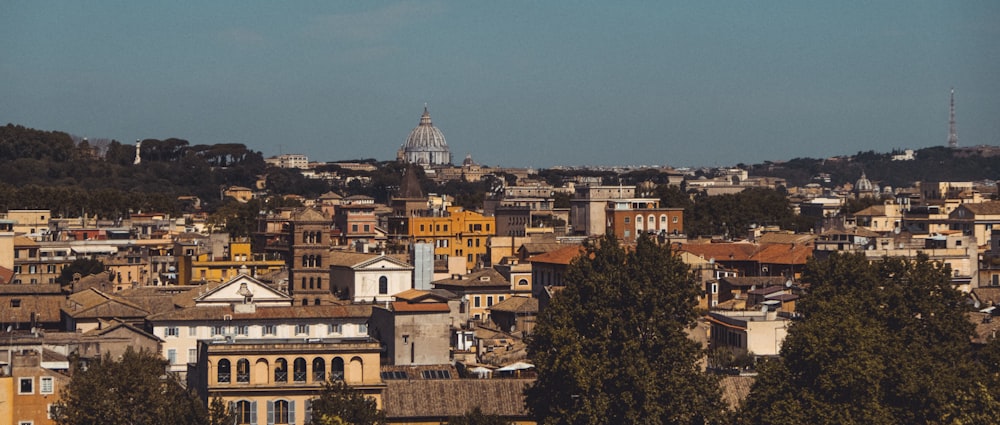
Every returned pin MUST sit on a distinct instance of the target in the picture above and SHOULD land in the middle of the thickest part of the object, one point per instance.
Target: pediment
(235, 291)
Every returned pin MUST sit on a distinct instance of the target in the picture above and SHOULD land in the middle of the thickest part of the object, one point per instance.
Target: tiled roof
(533, 248)
(785, 238)
(563, 255)
(6, 275)
(984, 208)
(749, 281)
(517, 305)
(405, 307)
(766, 290)
(874, 210)
(44, 288)
(735, 389)
(783, 254)
(308, 214)
(482, 278)
(734, 251)
(443, 398)
(987, 295)
(987, 326)
(292, 312)
(45, 307)
(353, 259)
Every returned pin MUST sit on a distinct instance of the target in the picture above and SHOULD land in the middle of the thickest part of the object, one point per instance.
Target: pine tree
(611, 348)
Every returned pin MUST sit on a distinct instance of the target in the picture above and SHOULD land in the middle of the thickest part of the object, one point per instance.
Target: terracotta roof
(857, 231)
(734, 251)
(563, 255)
(874, 210)
(405, 307)
(735, 389)
(984, 208)
(786, 238)
(987, 326)
(44, 288)
(24, 241)
(760, 282)
(483, 278)
(766, 290)
(350, 259)
(292, 312)
(517, 305)
(535, 248)
(783, 254)
(308, 214)
(45, 307)
(6, 275)
(442, 398)
(107, 309)
(987, 295)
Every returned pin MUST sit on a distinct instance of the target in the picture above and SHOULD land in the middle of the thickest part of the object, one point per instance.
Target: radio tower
(952, 133)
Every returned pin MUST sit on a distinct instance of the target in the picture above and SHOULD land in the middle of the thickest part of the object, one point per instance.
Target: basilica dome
(425, 144)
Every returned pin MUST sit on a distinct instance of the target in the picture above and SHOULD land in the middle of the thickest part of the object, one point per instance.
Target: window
(192, 331)
(281, 370)
(363, 329)
(45, 385)
(368, 228)
(171, 331)
(468, 243)
(715, 288)
(280, 412)
(245, 412)
(319, 370)
(243, 330)
(299, 370)
(475, 301)
(383, 285)
(301, 329)
(522, 282)
(663, 219)
(674, 219)
(627, 220)
(333, 328)
(26, 386)
(192, 355)
(218, 330)
(172, 356)
(500, 299)
(224, 371)
(436, 374)
(243, 371)
(337, 368)
(354, 228)
(489, 301)
(269, 330)
(15, 303)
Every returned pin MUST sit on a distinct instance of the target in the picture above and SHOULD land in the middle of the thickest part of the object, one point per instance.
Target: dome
(863, 184)
(426, 144)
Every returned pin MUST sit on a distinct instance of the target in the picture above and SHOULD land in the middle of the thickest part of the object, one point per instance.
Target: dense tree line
(880, 343)
(937, 163)
(733, 214)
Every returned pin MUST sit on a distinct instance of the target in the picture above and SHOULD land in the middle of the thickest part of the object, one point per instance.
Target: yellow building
(204, 268)
(273, 381)
(457, 233)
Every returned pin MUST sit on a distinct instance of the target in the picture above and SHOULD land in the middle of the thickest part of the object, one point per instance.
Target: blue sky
(515, 83)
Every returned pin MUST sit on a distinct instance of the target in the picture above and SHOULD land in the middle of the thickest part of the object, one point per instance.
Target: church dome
(425, 144)
(863, 184)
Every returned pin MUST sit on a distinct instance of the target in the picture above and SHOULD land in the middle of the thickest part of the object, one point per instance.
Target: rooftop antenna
(952, 132)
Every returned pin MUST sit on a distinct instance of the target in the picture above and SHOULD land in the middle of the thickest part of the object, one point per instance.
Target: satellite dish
(896, 230)
(763, 308)
(788, 283)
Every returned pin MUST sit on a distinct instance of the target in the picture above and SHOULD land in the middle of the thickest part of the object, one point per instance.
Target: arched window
(319, 261)
(337, 369)
(299, 369)
(245, 412)
(638, 223)
(316, 301)
(319, 237)
(305, 237)
(383, 285)
(243, 371)
(280, 412)
(281, 370)
(305, 301)
(225, 371)
(305, 261)
(651, 220)
(319, 370)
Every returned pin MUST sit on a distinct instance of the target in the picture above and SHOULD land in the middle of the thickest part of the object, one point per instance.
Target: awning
(516, 366)
(95, 249)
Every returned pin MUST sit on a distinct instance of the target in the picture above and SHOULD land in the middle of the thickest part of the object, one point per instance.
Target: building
(629, 218)
(457, 233)
(309, 257)
(589, 205)
(289, 160)
(425, 145)
(415, 331)
(30, 389)
(360, 277)
(479, 290)
(758, 332)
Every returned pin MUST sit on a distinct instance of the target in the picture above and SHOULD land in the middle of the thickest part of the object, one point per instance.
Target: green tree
(611, 348)
(84, 266)
(338, 403)
(882, 343)
(132, 390)
(219, 413)
(477, 417)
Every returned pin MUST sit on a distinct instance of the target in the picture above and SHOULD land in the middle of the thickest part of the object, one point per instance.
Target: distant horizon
(536, 84)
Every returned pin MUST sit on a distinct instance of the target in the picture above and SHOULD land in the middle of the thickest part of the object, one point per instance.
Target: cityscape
(664, 214)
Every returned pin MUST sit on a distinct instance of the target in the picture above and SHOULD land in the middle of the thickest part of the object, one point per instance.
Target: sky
(512, 83)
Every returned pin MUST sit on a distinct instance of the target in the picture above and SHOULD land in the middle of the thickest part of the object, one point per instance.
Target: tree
(477, 417)
(338, 403)
(219, 413)
(612, 348)
(883, 343)
(132, 390)
(83, 266)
